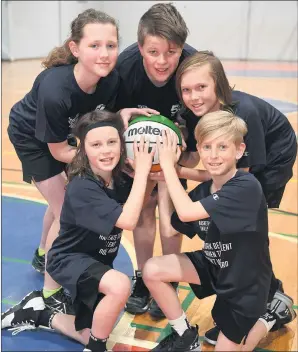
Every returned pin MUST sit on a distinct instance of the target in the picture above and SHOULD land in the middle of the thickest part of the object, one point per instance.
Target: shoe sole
(288, 301)
(211, 342)
(38, 270)
(135, 311)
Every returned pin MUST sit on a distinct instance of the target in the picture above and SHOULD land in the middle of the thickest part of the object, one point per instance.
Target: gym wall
(240, 30)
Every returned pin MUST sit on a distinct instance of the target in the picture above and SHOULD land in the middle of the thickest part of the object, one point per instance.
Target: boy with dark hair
(147, 70)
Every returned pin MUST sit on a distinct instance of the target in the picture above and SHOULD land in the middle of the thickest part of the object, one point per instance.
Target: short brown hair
(163, 20)
(222, 123)
(223, 90)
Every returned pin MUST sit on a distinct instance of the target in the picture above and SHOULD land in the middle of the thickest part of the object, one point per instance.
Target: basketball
(150, 128)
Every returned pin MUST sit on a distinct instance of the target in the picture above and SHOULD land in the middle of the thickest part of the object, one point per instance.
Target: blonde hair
(221, 123)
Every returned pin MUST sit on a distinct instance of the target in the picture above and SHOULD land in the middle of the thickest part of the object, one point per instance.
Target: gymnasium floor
(23, 209)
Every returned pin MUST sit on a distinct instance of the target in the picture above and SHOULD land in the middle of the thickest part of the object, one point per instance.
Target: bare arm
(62, 151)
(192, 174)
(186, 209)
(244, 169)
(189, 159)
(133, 206)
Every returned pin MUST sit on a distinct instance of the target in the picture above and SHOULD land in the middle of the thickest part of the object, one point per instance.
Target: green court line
(286, 234)
(282, 212)
(146, 327)
(6, 301)
(16, 260)
(184, 287)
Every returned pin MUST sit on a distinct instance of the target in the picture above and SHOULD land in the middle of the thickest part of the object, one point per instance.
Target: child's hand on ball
(168, 149)
(143, 156)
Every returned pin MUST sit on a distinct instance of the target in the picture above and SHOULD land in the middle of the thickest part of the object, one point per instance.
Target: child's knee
(151, 270)
(121, 287)
(167, 231)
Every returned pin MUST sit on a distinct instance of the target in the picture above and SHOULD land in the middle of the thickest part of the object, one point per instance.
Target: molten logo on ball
(151, 128)
(144, 130)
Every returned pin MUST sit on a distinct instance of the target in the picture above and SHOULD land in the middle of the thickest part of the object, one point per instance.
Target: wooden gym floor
(274, 82)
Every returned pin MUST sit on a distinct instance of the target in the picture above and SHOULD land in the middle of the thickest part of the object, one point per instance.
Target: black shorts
(274, 197)
(37, 161)
(233, 325)
(87, 294)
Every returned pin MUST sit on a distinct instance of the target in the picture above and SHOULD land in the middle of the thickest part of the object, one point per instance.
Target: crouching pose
(92, 219)
(235, 262)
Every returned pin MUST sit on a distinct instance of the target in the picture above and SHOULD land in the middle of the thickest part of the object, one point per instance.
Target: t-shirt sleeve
(93, 209)
(51, 116)
(192, 228)
(235, 206)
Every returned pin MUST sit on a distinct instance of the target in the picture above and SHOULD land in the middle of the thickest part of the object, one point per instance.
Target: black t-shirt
(54, 104)
(271, 145)
(271, 140)
(87, 229)
(197, 227)
(236, 243)
(136, 89)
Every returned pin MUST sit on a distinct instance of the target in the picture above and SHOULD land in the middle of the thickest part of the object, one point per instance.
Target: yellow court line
(32, 199)
(20, 186)
(281, 237)
(126, 243)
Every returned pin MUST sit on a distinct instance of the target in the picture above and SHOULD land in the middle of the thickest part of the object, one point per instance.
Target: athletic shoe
(211, 335)
(38, 262)
(279, 288)
(155, 312)
(60, 302)
(138, 302)
(25, 314)
(282, 308)
(188, 342)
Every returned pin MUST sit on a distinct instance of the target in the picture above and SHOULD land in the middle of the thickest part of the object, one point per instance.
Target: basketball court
(23, 209)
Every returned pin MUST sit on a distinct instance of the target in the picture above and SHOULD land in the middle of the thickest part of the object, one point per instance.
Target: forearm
(133, 206)
(192, 174)
(67, 155)
(177, 193)
(62, 151)
(150, 185)
(187, 159)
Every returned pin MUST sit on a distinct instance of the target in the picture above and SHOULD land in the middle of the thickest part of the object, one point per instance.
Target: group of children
(69, 129)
